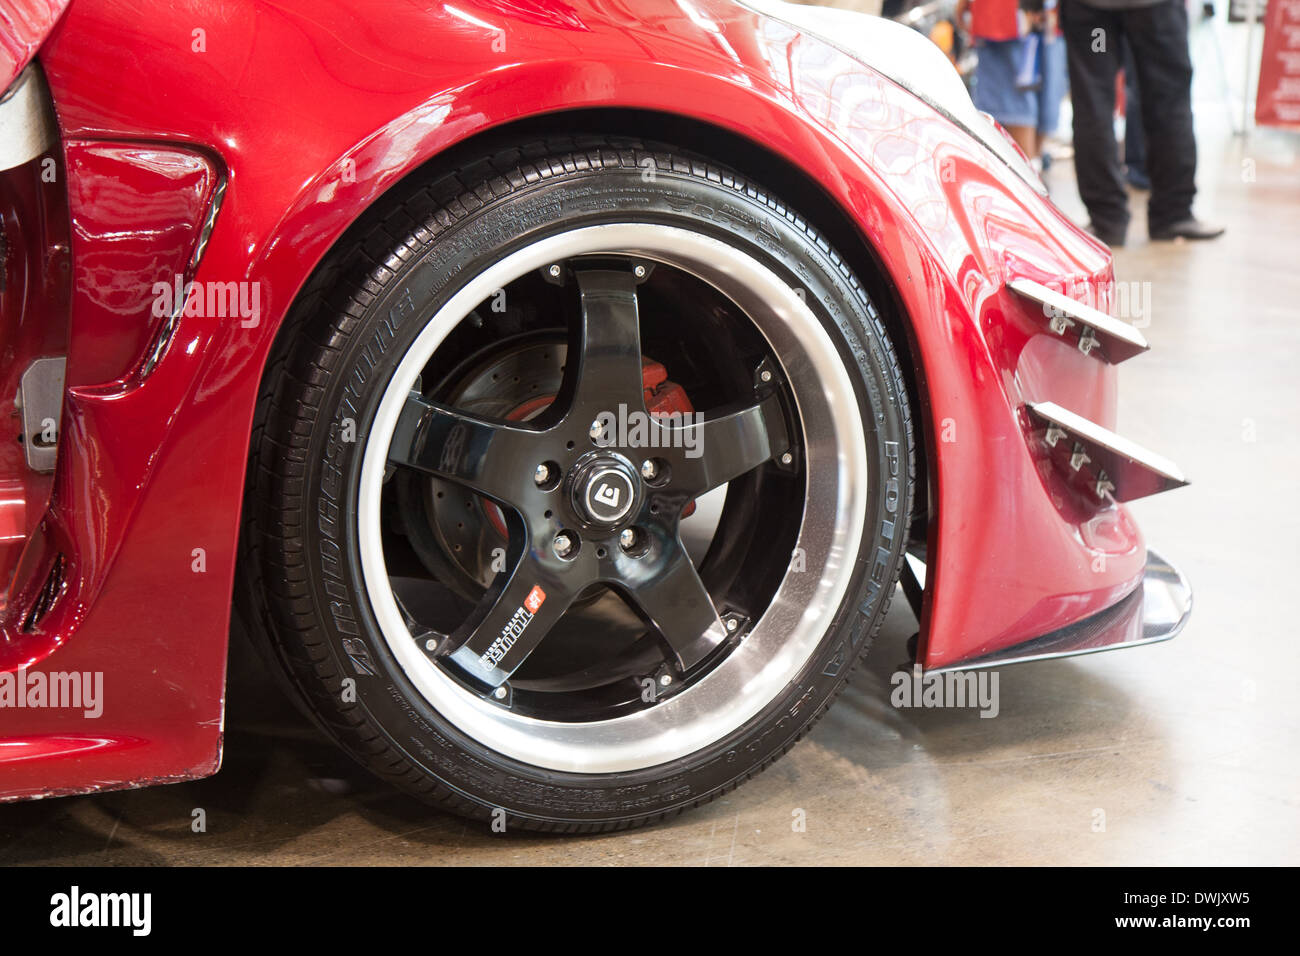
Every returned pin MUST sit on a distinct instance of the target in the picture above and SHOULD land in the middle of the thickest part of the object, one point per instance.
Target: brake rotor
(515, 383)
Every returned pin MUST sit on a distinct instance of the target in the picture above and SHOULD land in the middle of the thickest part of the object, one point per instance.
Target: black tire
(300, 583)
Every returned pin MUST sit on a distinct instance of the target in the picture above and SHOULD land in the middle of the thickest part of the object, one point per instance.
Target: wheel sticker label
(513, 629)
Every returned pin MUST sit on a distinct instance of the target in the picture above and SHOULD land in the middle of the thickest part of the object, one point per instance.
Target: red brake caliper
(662, 397)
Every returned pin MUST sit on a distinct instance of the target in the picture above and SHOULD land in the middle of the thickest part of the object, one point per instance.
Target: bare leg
(1026, 138)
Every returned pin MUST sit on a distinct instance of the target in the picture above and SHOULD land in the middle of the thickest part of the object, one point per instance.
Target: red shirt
(995, 19)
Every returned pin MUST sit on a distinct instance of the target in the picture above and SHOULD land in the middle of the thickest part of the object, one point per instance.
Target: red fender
(310, 111)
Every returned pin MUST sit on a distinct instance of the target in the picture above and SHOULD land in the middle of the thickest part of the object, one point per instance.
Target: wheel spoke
(492, 458)
(718, 449)
(607, 370)
(510, 622)
(678, 605)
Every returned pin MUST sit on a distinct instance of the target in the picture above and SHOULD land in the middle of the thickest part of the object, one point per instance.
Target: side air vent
(1093, 331)
(49, 593)
(163, 337)
(1100, 461)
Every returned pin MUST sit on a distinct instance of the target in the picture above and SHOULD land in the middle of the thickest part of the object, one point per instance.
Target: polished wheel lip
(781, 642)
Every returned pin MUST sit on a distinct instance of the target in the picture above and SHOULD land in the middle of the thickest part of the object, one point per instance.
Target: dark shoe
(1189, 228)
(1137, 178)
(1112, 237)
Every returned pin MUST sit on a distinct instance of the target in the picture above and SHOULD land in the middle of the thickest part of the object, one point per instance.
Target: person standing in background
(1055, 77)
(1156, 31)
(1019, 68)
(1135, 149)
(997, 27)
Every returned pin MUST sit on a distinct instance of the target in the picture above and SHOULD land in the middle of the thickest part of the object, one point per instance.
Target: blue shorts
(995, 89)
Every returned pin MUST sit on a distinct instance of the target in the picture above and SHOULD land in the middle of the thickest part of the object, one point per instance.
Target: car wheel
(580, 481)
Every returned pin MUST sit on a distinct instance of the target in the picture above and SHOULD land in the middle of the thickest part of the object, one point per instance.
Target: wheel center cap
(604, 490)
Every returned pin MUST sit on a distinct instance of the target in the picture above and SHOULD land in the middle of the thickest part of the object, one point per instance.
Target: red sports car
(557, 389)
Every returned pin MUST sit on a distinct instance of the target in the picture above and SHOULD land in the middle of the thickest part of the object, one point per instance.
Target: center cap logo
(608, 495)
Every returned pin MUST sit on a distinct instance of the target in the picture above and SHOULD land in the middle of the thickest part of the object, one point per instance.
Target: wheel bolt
(666, 680)
(787, 458)
(732, 623)
(627, 540)
(765, 375)
(649, 469)
(597, 429)
(564, 544)
(431, 645)
(499, 693)
(639, 272)
(542, 475)
(554, 271)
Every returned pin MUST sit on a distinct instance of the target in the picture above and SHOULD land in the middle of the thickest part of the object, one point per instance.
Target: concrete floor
(1188, 749)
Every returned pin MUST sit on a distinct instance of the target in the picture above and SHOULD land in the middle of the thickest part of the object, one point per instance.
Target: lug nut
(649, 469)
(627, 540)
(542, 475)
(564, 544)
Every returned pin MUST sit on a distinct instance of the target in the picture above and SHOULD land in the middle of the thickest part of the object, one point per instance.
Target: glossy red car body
(306, 113)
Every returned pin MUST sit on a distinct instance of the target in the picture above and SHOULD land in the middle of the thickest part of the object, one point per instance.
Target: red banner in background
(1278, 101)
